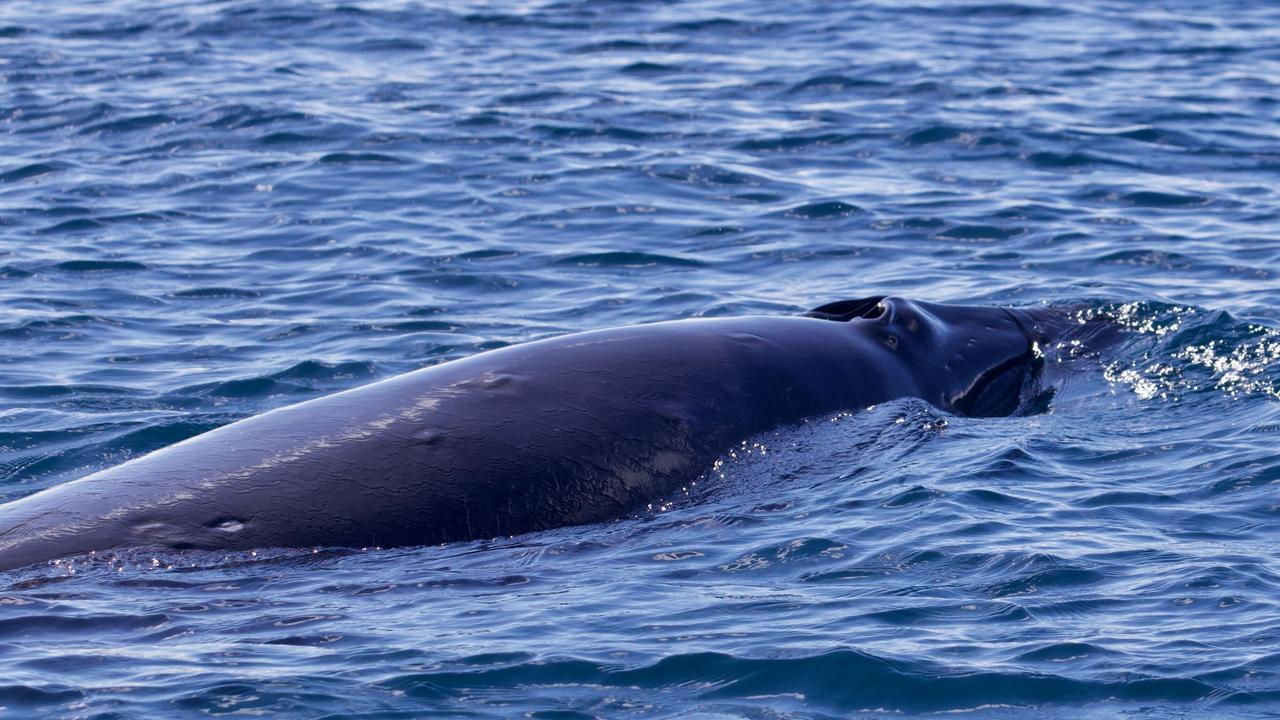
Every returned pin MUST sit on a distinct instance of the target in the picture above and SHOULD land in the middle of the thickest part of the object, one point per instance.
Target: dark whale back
(569, 430)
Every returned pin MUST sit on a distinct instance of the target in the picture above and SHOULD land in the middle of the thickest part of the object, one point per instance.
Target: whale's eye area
(846, 310)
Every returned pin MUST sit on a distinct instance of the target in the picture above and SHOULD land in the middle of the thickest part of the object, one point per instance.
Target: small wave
(160, 434)
(214, 293)
(1147, 258)
(255, 387)
(29, 626)
(994, 10)
(1070, 160)
(489, 254)
(1127, 499)
(286, 137)
(22, 696)
(55, 325)
(716, 231)
(51, 391)
(100, 266)
(409, 326)
(1153, 199)
(129, 124)
(709, 175)
(366, 158)
(1157, 136)
(628, 260)
(1064, 652)
(390, 45)
(32, 171)
(626, 45)
(918, 495)
(796, 551)
(796, 142)
(533, 97)
(934, 134)
(649, 68)
(979, 232)
(714, 24)
(824, 210)
(316, 370)
(616, 132)
(300, 379)
(240, 116)
(111, 31)
(845, 680)
(834, 83)
(77, 225)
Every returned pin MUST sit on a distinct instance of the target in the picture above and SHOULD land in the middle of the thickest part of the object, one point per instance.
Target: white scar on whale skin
(369, 429)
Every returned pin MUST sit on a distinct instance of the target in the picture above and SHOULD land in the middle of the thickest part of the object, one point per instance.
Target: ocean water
(211, 209)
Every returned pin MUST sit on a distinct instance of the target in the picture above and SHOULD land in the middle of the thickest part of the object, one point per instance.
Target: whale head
(971, 360)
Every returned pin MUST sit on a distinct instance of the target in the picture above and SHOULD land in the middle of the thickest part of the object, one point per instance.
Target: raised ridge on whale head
(985, 361)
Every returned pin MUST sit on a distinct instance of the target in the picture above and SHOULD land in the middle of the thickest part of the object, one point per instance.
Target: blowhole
(846, 310)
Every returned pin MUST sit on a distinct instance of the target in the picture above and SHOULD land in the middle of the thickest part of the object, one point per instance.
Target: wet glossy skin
(570, 430)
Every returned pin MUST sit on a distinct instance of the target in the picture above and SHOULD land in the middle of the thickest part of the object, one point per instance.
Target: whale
(574, 429)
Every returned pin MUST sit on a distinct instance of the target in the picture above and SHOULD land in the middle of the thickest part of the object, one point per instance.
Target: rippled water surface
(210, 209)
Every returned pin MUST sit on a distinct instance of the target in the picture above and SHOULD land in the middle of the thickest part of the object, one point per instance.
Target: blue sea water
(211, 209)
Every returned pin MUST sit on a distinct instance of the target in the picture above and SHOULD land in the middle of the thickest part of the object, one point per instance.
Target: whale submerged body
(569, 430)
